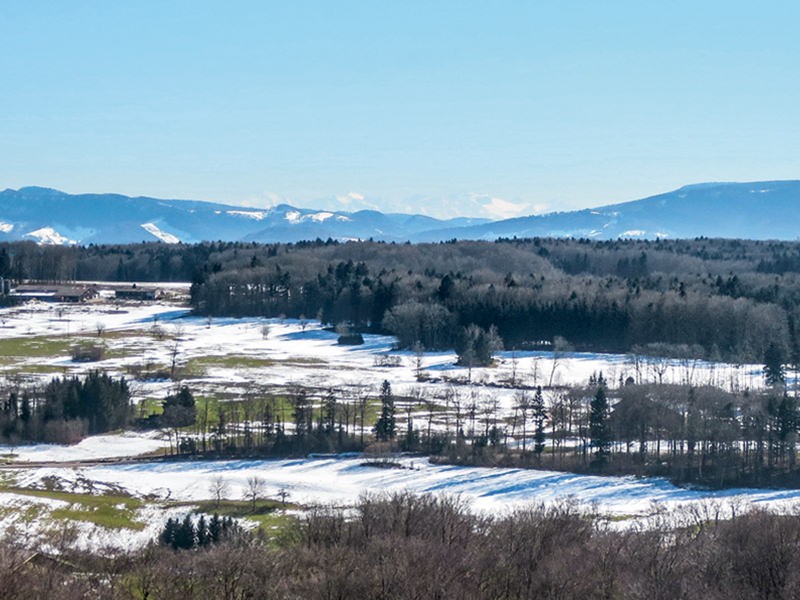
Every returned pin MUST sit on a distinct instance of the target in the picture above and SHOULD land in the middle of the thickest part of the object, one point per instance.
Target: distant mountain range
(757, 210)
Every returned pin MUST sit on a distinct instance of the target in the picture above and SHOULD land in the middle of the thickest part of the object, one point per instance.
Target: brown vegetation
(410, 547)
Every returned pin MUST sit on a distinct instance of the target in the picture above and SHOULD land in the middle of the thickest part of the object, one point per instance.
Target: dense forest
(410, 547)
(714, 298)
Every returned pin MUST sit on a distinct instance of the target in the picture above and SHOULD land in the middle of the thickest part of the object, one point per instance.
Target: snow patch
(320, 216)
(633, 233)
(6, 227)
(256, 215)
(49, 236)
(165, 237)
(115, 445)
(295, 216)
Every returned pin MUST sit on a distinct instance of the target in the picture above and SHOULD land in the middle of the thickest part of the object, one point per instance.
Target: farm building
(54, 293)
(137, 293)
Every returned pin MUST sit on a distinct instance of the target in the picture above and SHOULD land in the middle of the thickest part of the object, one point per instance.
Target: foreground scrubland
(432, 547)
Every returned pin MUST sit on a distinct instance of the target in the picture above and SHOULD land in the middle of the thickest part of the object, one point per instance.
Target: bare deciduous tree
(219, 488)
(254, 490)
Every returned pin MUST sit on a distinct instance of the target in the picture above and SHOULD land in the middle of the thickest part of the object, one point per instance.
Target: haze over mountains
(757, 210)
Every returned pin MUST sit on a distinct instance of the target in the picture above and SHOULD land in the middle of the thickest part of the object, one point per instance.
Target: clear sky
(493, 109)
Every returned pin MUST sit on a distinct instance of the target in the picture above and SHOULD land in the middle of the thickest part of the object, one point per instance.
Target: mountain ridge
(757, 210)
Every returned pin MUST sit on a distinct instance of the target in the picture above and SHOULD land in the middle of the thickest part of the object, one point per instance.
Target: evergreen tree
(185, 534)
(539, 414)
(599, 431)
(215, 528)
(203, 539)
(167, 537)
(774, 373)
(385, 428)
(179, 409)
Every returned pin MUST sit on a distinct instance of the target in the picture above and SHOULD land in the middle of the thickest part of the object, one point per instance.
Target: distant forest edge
(718, 299)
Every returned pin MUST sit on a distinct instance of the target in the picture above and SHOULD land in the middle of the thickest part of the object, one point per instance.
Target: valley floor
(229, 359)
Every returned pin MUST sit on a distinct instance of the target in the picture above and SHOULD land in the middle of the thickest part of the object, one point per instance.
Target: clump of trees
(198, 533)
(475, 346)
(180, 409)
(66, 409)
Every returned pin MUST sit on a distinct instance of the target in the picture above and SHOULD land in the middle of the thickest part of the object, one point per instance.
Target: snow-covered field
(233, 357)
(96, 447)
(230, 358)
(341, 480)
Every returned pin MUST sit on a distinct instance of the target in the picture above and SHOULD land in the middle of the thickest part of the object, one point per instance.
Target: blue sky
(447, 108)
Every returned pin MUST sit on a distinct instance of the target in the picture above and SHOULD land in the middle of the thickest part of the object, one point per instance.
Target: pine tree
(215, 528)
(167, 537)
(539, 414)
(774, 373)
(598, 427)
(185, 534)
(203, 539)
(385, 428)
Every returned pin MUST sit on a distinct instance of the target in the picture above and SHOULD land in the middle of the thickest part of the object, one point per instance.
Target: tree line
(715, 298)
(688, 433)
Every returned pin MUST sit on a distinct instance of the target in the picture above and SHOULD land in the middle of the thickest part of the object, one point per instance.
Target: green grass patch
(35, 347)
(228, 361)
(109, 517)
(274, 525)
(113, 511)
(29, 369)
(619, 518)
(199, 365)
(148, 371)
(150, 406)
(120, 334)
(303, 361)
(239, 508)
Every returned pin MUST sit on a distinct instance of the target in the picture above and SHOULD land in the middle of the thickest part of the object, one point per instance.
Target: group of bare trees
(408, 547)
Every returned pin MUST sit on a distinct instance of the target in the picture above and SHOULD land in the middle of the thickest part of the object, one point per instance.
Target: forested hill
(714, 298)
